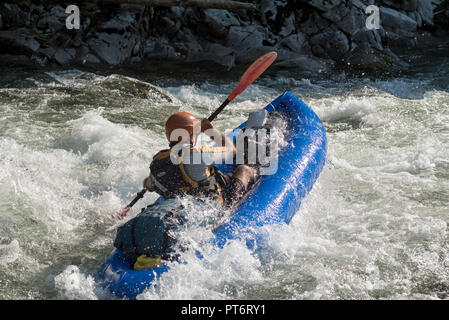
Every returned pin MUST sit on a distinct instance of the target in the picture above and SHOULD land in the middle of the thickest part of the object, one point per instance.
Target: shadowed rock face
(308, 34)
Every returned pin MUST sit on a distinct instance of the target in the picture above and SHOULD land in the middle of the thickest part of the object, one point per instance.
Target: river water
(75, 146)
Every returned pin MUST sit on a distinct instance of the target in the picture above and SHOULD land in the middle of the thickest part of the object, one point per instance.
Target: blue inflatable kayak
(273, 200)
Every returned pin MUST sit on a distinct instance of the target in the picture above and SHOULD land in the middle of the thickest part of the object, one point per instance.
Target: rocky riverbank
(310, 35)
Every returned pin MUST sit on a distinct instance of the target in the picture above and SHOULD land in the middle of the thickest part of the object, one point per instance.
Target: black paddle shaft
(220, 108)
(211, 117)
(137, 198)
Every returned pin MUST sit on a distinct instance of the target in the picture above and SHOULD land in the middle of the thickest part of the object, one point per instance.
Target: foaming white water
(9, 252)
(361, 233)
(373, 227)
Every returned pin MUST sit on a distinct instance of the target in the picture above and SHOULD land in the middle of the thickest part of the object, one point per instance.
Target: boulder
(306, 65)
(219, 21)
(393, 4)
(215, 53)
(12, 15)
(177, 12)
(246, 40)
(392, 20)
(323, 5)
(296, 43)
(18, 41)
(269, 10)
(406, 5)
(375, 61)
(330, 44)
(158, 49)
(442, 15)
(370, 38)
(64, 56)
(53, 20)
(314, 24)
(417, 17)
(48, 52)
(186, 42)
(400, 39)
(409, 5)
(109, 47)
(425, 10)
(168, 27)
(353, 21)
(289, 26)
(120, 22)
(337, 13)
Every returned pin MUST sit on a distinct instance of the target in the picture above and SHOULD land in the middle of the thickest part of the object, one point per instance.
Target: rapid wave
(75, 147)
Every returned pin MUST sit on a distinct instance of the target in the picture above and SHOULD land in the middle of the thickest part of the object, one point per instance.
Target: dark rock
(371, 38)
(49, 52)
(425, 10)
(110, 48)
(309, 27)
(243, 40)
(353, 21)
(442, 15)
(296, 42)
(314, 24)
(216, 53)
(305, 64)
(392, 20)
(159, 50)
(219, 21)
(269, 10)
(12, 15)
(375, 61)
(186, 42)
(337, 13)
(289, 26)
(91, 59)
(168, 26)
(177, 12)
(323, 5)
(320, 22)
(251, 54)
(330, 44)
(122, 21)
(400, 39)
(417, 17)
(50, 22)
(394, 4)
(18, 42)
(65, 56)
(409, 5)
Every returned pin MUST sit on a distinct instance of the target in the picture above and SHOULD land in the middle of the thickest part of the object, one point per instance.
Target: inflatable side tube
(278, 197)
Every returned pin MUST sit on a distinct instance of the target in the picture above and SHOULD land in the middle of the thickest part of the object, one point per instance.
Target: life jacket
(171, 179)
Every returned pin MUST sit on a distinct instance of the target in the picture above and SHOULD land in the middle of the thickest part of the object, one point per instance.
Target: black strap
(133, 235)
(170, 216)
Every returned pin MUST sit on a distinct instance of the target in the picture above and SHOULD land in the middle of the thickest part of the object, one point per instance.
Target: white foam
(374, 225)
(10, 252)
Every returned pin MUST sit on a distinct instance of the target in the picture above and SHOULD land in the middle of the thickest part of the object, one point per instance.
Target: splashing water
(75, 147)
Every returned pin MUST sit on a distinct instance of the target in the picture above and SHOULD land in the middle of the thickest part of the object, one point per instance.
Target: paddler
(186, 168)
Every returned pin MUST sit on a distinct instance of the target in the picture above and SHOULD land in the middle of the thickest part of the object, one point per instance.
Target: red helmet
(181, 120)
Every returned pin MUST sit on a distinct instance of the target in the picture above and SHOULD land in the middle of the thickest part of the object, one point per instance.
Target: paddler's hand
(206, 125)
